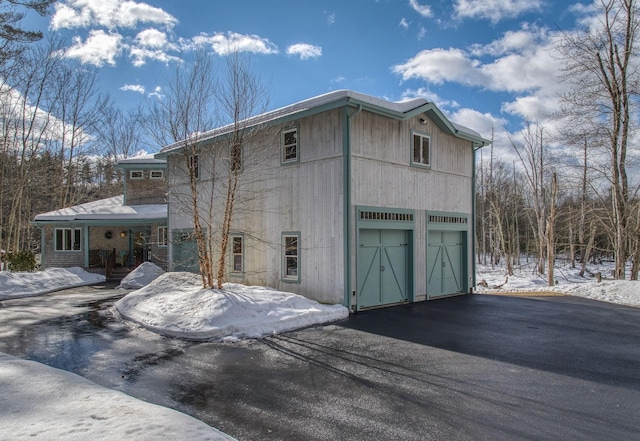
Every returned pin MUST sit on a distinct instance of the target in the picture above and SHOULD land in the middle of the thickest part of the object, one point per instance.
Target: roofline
(336, 100)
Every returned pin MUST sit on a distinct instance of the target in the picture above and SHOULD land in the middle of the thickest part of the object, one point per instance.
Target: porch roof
(110, 209)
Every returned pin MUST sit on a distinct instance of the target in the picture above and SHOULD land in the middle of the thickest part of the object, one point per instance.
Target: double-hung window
(421, 150)
(136, 174)
(291, 257)
(237, 254)
(289, 141)
(68, 239)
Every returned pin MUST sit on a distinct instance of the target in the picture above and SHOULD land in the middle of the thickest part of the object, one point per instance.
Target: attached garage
(384, 257)
(446, 254)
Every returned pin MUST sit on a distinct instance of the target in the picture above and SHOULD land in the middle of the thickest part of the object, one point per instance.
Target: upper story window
(421, 150)
(156, 174)
(289, 142)
(194, 167)
(67, 239)
(136, 174)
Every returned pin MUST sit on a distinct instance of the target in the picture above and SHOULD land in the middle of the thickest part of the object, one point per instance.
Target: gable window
(237, 254)
(421, 149)
(136, 174)
(289, 146)
(291, 257)
(194, 167)
(162, 236)
(156, 174)
(67, 239)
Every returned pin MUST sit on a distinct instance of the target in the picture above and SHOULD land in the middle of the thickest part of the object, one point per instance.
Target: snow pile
(14, 285)
(143, 275)
(175, 304)
(40, 402)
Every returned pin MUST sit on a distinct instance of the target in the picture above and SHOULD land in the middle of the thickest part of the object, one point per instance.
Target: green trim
(422, 134)
(473, 225)
(140, 166)
(283, 263)
(385, 224)
(85, 245)
(99, 222)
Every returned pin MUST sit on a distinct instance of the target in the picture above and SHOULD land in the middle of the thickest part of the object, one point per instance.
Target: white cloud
(224, 44)
(423, 10)
(495, 10)
(99, 48)
(330, 16)
(430, 96)
(443, 65)
(404, 24)
(527, 37)
(157, 93)
(304, 50)
(152, 38)
(110, 14)
(133, 88)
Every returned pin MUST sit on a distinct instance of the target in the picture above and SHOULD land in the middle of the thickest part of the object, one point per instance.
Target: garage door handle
(382, 268)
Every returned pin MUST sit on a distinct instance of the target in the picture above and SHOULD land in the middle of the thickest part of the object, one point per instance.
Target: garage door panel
(445, 273)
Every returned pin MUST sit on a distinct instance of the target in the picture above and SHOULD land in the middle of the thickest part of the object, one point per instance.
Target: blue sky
(486, 63)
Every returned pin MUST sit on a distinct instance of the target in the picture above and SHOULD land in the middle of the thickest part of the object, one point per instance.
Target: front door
(383, 267)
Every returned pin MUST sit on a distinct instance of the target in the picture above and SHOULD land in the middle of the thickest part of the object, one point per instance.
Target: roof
(111, 209)
(146, 161)
(339, 98)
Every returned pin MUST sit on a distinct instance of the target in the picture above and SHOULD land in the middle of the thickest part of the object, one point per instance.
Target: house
(112, 236)
(343, 198)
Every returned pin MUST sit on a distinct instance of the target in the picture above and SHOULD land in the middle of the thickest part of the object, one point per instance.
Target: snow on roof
(399, 107)
(105, 209)
(141, 160)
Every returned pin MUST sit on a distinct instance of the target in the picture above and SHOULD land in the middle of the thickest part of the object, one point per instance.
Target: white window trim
(134, 178)
(72, 232)
(163, 239)
(422, 136)
(295, 160)
(156, 177)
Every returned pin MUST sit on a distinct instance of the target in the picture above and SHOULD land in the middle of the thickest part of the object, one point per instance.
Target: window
(291, 257)
(136, 174)
(289, 146)
(162, 236)
(194, 167)
(237, 254)
(421, 149)
(67, 239)
(156, 174)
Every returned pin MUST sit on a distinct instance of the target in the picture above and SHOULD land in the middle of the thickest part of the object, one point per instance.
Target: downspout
(346, 175)
(473, 220)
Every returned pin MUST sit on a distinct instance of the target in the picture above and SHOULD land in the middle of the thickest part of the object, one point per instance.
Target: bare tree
(181, 117)
(599, 64)
(241, 95)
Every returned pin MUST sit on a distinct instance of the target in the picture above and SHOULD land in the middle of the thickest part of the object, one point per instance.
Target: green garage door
(383, 267)
(445, 252)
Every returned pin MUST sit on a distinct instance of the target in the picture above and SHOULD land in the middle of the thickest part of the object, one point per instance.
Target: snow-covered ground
(568, 281)
(40, 402)
(43, 403)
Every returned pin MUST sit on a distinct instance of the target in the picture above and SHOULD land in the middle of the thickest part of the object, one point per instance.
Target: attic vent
(377, 215)
(447, 219)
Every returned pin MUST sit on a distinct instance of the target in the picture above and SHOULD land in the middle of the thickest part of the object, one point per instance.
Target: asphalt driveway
(466, 368)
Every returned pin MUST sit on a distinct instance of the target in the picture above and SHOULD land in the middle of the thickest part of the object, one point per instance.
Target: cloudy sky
(486, 63)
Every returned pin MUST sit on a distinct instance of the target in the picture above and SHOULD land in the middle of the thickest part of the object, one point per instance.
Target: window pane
(76, 240)
(416, 148)
(291, 246)
(292, 266)
(290, 145)
(59, 240)
(237, 245)
(425, 150)
(237, 262)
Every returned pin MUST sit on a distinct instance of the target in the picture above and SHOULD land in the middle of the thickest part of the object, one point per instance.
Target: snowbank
(14, 285)
(143, 275)
(175, 304)
(40, 402)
